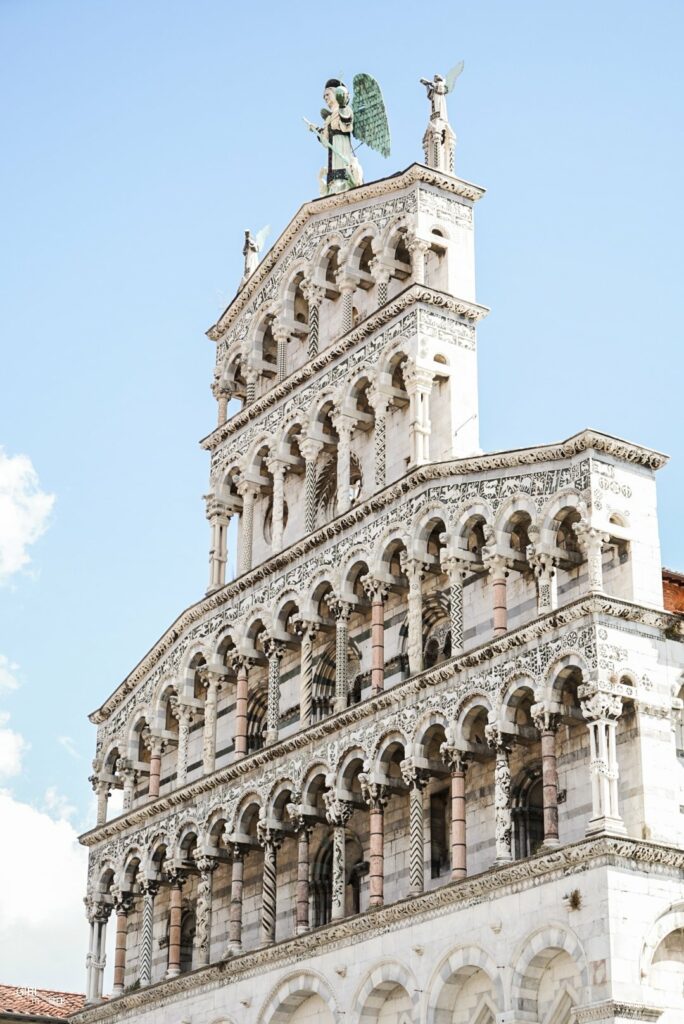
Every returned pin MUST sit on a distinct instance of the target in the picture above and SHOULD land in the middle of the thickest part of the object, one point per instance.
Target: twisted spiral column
(149, 889)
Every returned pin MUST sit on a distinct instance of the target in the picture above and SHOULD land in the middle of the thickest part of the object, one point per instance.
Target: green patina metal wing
(453, 75)
(370, 116)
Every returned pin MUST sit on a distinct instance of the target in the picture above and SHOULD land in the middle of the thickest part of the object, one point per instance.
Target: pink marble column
(547, 723)
(376, 796)
(456, 760)
(122, 907)
(498, 571)
(175, 915)
(377, 592)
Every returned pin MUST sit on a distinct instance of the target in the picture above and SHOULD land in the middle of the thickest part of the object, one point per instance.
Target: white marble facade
(420, 759)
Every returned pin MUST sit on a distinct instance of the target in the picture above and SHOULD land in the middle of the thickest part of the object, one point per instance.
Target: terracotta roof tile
(39, 1002)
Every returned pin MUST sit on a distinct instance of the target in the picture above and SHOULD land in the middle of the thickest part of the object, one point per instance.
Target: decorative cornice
(328, 204)
(590, 605)
(412, 295)
(627, 854)
(612, 1009)
(585, 441)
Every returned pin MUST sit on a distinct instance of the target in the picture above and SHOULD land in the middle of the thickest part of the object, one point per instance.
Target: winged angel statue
(364, 117)
(439, 141)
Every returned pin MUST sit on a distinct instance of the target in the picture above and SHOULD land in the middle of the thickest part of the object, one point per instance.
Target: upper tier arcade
(346, 359)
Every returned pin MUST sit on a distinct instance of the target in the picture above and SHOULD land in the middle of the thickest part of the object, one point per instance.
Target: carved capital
(496, 565)
(497, 739)
(545, 716)
(312, 292)
(374, 588)
(269, 834)
(414, 777)
(205, 863)
(375, 794)
(340, 608)
(601, 705)
(337, 811)
(454, 758)
(310, 448)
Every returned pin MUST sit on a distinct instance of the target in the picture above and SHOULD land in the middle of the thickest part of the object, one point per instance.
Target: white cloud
(69, 746)
(8, 679)
(43, 930)
(12, 747)
(24, 511)
(57, 805)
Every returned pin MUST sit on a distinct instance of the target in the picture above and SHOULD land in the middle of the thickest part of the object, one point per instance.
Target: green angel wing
(370, 116)
(453, 75)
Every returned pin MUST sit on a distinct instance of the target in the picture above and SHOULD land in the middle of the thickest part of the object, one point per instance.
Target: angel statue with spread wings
(439, 141)
(363, 117)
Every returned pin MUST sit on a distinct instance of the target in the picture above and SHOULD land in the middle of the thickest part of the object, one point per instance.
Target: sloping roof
(39, 1002)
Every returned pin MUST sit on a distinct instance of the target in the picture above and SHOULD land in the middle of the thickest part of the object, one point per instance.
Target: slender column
(307, 633)
(547, 722)
(122, 906)
(242, 691)
(414, 570)
(219, 518)
(281, 336)
(543, 566)
(380, 403)
(251, 376)
(498, 570)
(206, 867)
(376, 795)
(310, 450)
(90, 956)
(313, 293)
(270, 839)
(102, 788)
(418, 382)
(222, 399)
(303, 828)
(128, 773)
(342, 611)
(277, 469)
(248, 491)
(344, 426)
(212, 681)
(347, 286)
(274, 650)
(419, 250)
(416, 779)
(236, 887)
(602, 709)
(338, 812)
(502, 793)
(376, 591)
(457, 569)
(382, 277)
(184, 715)
(97, 913)
(149, 889)
(154, 745)
(591, 543)
(457, 762)
(176, 882)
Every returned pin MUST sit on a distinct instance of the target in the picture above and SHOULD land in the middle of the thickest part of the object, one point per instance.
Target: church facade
(417, 759)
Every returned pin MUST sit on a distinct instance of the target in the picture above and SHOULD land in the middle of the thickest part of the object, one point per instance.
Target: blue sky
(140, 139)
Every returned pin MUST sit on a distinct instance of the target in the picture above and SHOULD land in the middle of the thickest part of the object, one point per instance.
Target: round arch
(291, 992)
